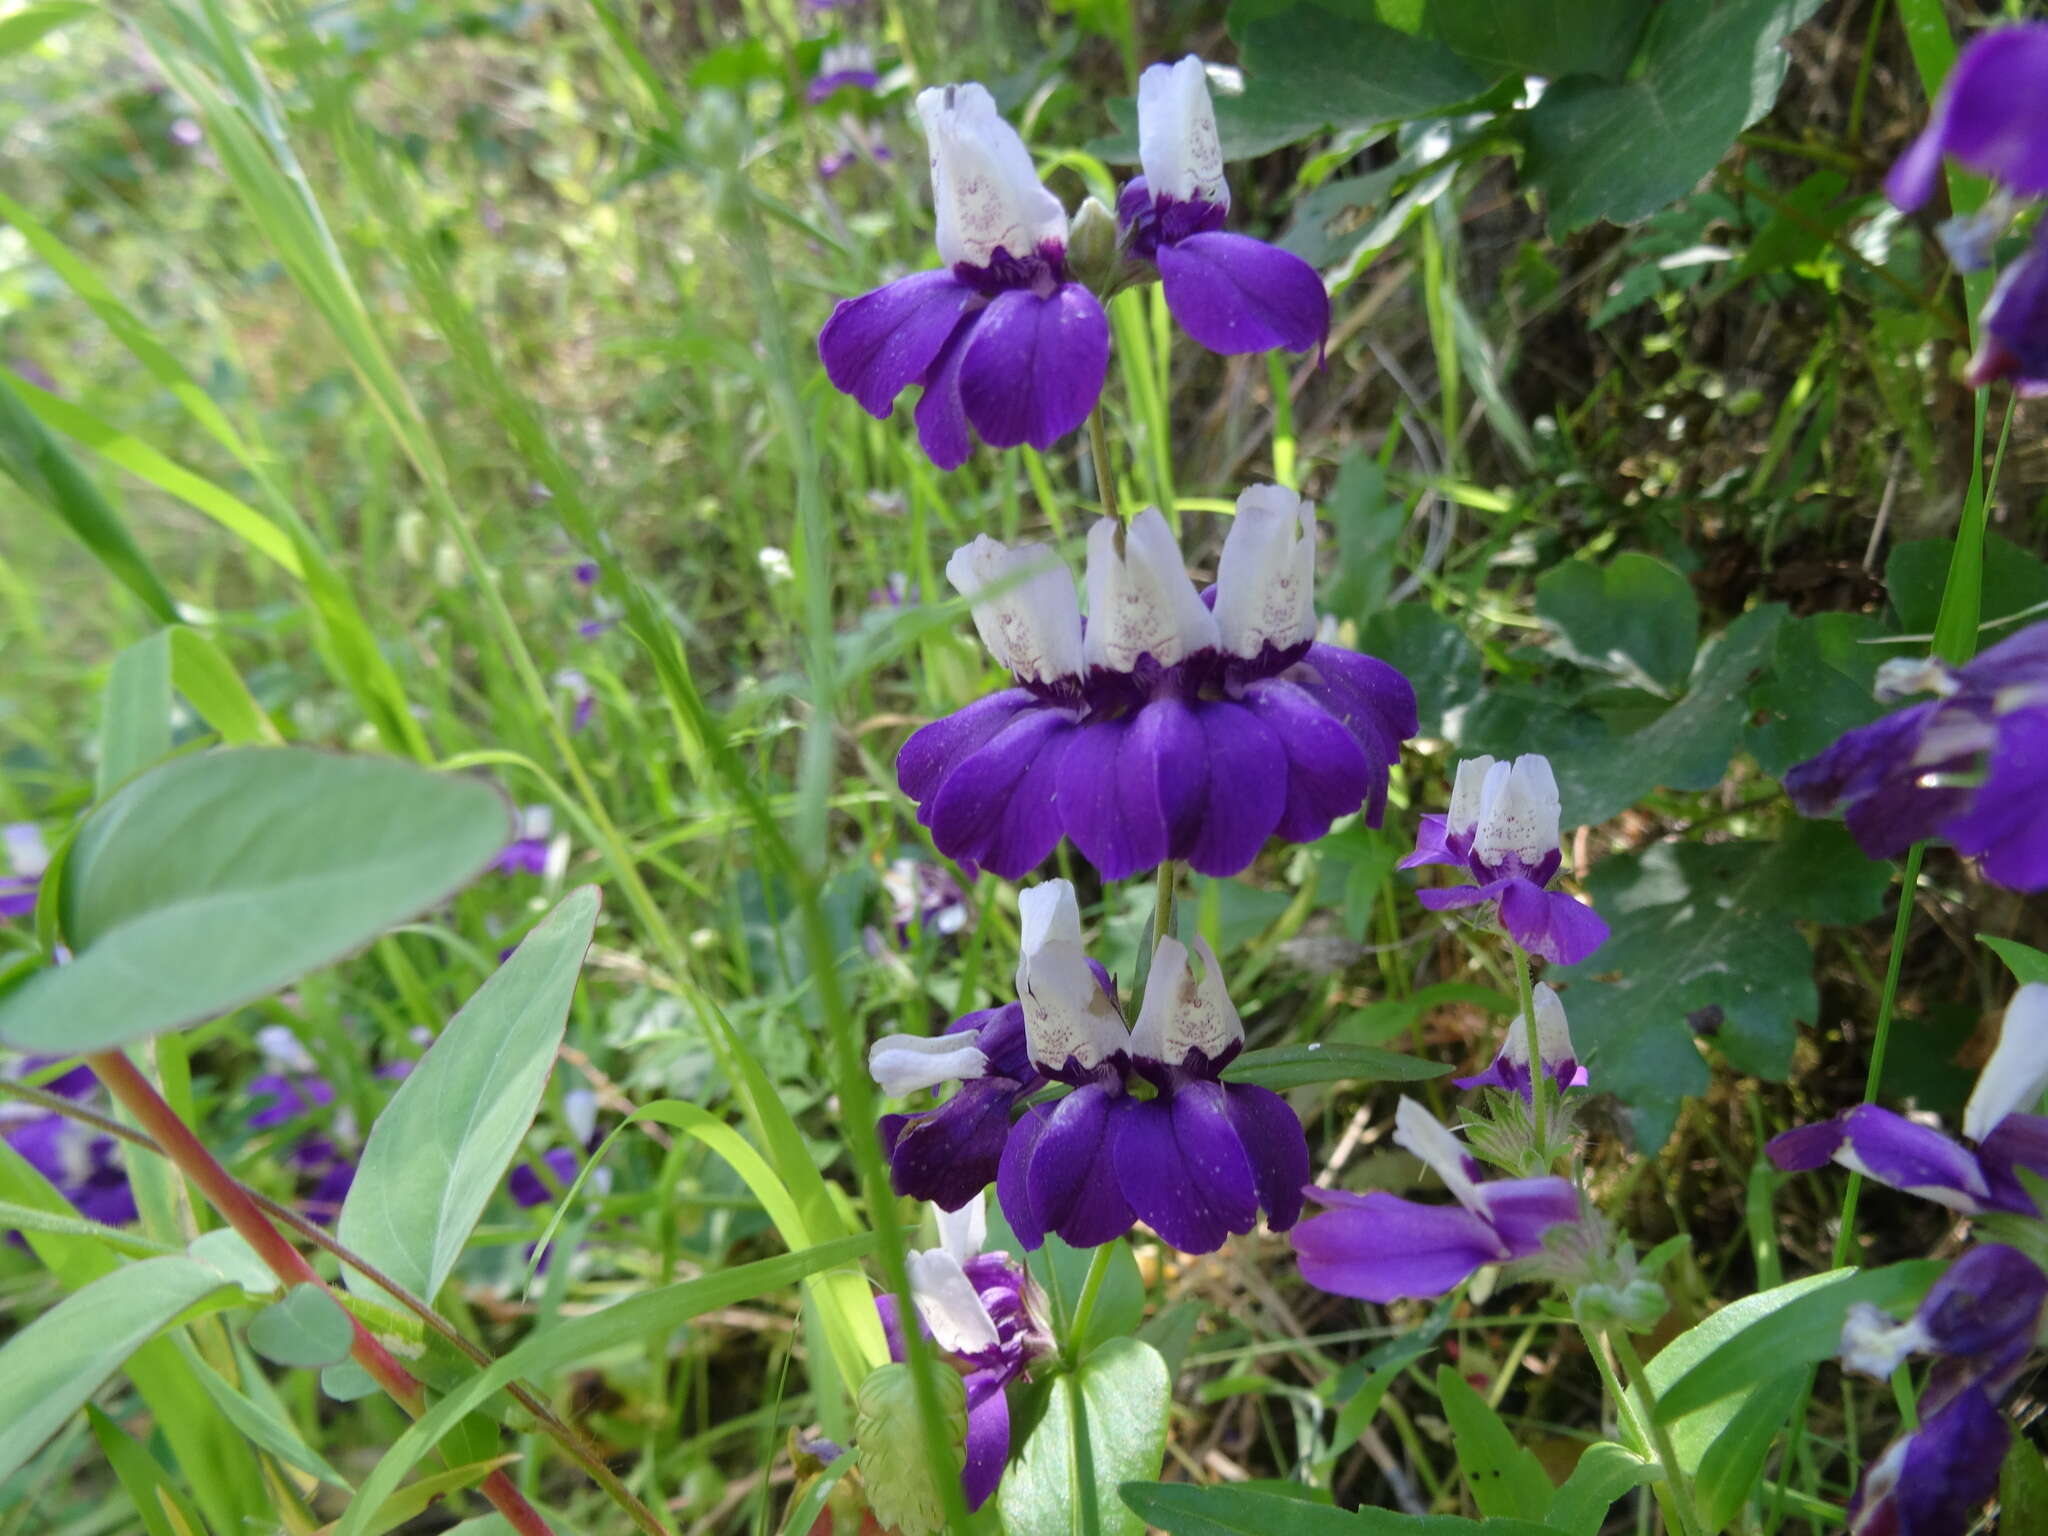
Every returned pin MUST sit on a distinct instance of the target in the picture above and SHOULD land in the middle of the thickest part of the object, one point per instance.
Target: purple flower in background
(586, 573)
(986, 1314)
(1230, 292)
(1979, 1322)
(27, 857)
(1503, 827)
(846, 66)
(1992, 118)
(950, 1154)
(857, 144)
(1510, 1068)
(1969, 765)
(532, 852)
(1379, 1247)
(1168, 726)
(2014, 340)
(528, 1189)
(1005, 347)
(923, 895)
(83, 1165)
(290, 1098)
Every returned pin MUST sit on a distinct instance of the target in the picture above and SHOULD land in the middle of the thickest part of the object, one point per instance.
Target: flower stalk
(1539, 1075)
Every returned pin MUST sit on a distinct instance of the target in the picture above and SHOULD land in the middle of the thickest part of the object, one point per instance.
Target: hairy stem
(1537, 1075)
(1105, 481)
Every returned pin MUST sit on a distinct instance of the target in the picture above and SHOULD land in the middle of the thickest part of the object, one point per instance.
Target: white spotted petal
(1140, 600)
(949, 1304)
(1266, 579)
(1186, 1008)
(1177, 142)
(1462, 819)
(1518, 812)
(1067, 1015)
(985, 189)
(1030, 617)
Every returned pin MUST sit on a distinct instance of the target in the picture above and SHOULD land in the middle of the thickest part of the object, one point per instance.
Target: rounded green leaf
(216, 879)
(306, 1329)
(1112, 1411)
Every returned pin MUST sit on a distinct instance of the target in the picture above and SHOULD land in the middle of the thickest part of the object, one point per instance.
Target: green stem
(1680, 1510)
(1162, 907)
(1538, 1098)
(1845, 1238)
(1105, 482)
(1084, 1309)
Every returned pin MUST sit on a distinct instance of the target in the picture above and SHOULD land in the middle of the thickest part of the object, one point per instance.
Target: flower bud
(1092, 254)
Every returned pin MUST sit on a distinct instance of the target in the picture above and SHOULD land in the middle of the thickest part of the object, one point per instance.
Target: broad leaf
(1605, 1472)
(216, 879)
(1704, 943)
(50, 1368)
(2024, 961)
(307, 1328)
(1551, 38)
(440, 1149)
(1822, 673)
(2015, 580)
(1635, 617)
(1291, 1066)
(1708, 69)
(2023, 1488)
(1115, 1402)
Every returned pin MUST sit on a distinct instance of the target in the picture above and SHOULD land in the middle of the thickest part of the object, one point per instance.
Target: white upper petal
(1463, 816)
(1140, 599)
(1431, 1140)
(962, 1232)
(1553, 1033)
(905, 1063)
(579, 1110)
(2012, 1080)
(27, 854)
(984, 187)
(948, 1303)
(282, 1050)
(1184, 1011)
(1875, 1345)
(1177, 143)
(1066, 1012)
(1031, 620)
(1266, 580)
(1518, 811)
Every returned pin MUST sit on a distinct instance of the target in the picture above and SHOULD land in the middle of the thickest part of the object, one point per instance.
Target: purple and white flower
(292, 1097)
(1172, 724)
(1006, 348)
(986, 1314)
(1379, 1247)
(81, 1163)
(949, 1154)
(1980, 1323)
(1510, 1068)
(27, 857)
(1992, 118)
(1503, 828)
(1232, 293)
(924, 896)
(537, 850)
(1969, 765)
(844, 67)
(2013, 343)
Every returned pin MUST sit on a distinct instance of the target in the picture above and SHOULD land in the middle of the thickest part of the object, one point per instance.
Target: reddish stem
(139, 1097)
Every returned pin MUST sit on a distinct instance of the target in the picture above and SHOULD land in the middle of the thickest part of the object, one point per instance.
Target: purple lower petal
(1109, 794)
(1033, 369)
(1327, 772)
(942, 429)
(1807, 1147)
(950, 1154)
(1451, 897)
(988, 1436)
(1951, 1467)
(2016, 1142)
(1431, 846)
(935, 750)
(1013, 1178)
(1235, 294)
(1246, 790)
(1272, 1137)
(1372, 701)
(1072, 1190)
(1182, 1168)
(1992, 116)
(1524, 1209)
(877, 345)
(1382, 1248)
(2007, 824)
(1893, 1150)
(996, 808)
(1562, 930)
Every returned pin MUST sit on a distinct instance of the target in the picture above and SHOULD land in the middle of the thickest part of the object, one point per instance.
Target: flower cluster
(1992, 118)
(1172, 724)
(1969, 765)
(1005, 344)
(1503, 828)
(1511, 1069)
(1147, 1130)
(986, 1315)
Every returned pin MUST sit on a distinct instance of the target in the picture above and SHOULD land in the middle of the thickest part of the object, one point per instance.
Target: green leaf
(1333, 65)
(43, 468)
(440, 1149)
(213, 687)
(1605, 1472)
(2023, 1489)
(1708, 69)
(1551, 38)
(1686, 747)
(217, 878)
(1062, 1271)
(1503, 1477)
(307, 1328)
(50, 1368)
(1635, 617)
(30, 25)
(135, 716)
(266, 1425)
(1815, 211)
(415, 1499)
(1823, 669)
(1434, 654)
(2024, 961)
(1181, 1509)
(1113, 1411)
(1916, 571)
(143, 1479)
(1290, 1066)
(1790, 1327)
(1702, 940)
(572, 1341)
